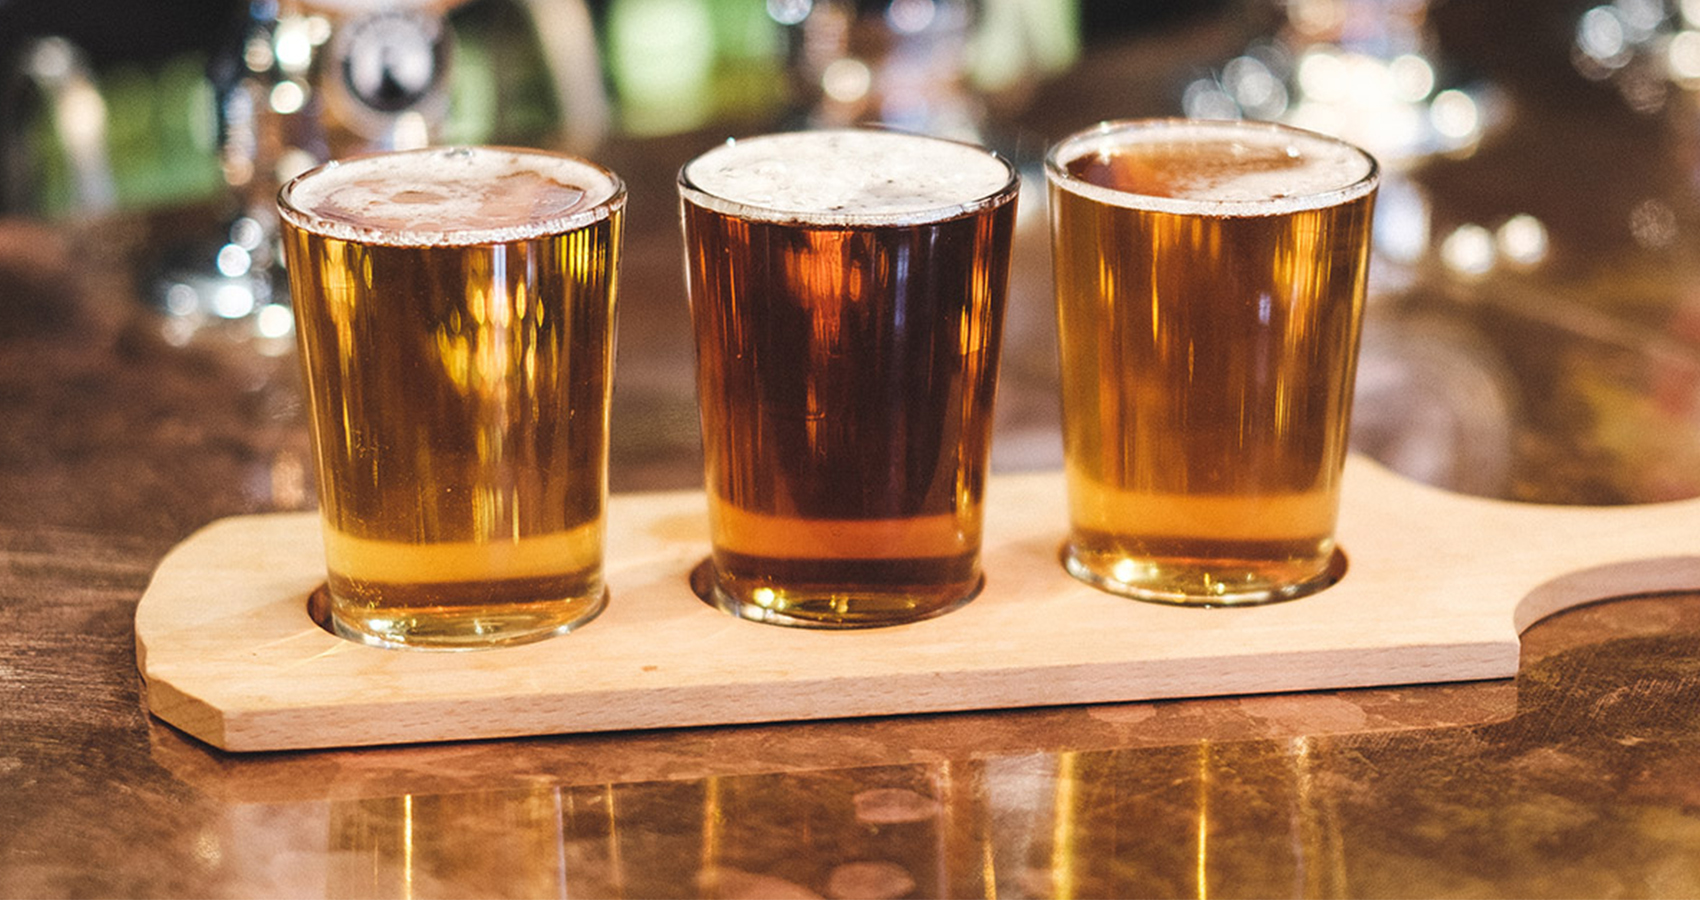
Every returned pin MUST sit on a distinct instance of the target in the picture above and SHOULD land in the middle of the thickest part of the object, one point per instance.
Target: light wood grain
(1437, 589)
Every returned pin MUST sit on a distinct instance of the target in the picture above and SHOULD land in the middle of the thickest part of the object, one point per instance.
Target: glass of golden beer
(1210, 285)
(455, 309)
(847, 292)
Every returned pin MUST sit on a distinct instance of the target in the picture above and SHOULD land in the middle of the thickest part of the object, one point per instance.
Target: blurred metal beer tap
(309, 81)
(299, 83)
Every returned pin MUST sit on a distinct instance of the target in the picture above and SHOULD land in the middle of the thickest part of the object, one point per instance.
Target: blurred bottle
(51, 83)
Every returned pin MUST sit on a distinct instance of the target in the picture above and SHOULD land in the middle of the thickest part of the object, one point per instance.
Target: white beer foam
(846, 177)
(1319, 171)
(453, 196)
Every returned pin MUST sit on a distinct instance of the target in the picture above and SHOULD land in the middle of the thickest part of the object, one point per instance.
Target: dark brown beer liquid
(459, 390)
(846, 377)
(1208, 354)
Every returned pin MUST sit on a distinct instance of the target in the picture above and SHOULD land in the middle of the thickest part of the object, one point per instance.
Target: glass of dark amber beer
(454, 309)
(1210, 283)
(847, 292)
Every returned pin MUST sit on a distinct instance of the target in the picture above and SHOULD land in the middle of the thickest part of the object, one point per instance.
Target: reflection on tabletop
(1533, 334)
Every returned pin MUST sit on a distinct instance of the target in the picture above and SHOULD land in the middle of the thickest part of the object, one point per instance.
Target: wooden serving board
(1437, 588)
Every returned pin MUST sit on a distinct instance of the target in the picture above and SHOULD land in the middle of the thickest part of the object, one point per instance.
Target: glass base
(1184, 581)
(454, 627)
(827, 605)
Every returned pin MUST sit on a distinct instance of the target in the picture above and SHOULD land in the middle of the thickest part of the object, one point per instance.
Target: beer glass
(454, 313)
(1210, 288)
(847, 292)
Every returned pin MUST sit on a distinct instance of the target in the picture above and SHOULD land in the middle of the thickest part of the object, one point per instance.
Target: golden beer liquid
(845, 377)
(1208, 360)
(460, 393)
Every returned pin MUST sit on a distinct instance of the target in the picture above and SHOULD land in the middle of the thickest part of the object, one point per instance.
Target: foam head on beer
(1206, 168)
(453, 196)
(851, 177)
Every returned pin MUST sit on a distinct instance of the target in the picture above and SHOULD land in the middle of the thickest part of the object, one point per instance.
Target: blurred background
(1535, 322)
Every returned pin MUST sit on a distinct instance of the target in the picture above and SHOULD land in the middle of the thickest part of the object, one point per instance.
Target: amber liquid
(1207, 369)
(460, 398)
(845, 377)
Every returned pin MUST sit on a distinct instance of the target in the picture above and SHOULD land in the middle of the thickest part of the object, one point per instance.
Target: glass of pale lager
(847, 291)
(455, 309)
(1210, 285)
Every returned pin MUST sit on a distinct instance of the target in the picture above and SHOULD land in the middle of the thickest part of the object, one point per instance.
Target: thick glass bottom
(836, 593)
(1226, 573)
(458, 615)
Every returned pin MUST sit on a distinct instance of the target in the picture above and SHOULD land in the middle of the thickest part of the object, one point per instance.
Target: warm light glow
(407, 845)
(1640, 17)
(1454, 115)
(1523, 240)
(1468, 251)
(53, 60)
(247, 233)
(233, 261)
(1254, 87)
(911, 16)
(293, 45)
(82, 114)
(1412, 77)
(1204, 100)
(1322, 76)
(288, 97)
(1682, 57)
(846, 80)
(1203, 874)
(712, 816)
(182, 300)
(1062, 829)
(233, 301)
(274, 321)
(1317, 16)
(1600, 35)
(257, 54)
(1367, 82)
(789, 12)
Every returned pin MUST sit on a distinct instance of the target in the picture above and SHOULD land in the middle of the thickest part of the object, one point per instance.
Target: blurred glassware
(305, 81)
(1370, 72)
(902, 63)
(1367, 71)
(301, 82)
(1643, 48)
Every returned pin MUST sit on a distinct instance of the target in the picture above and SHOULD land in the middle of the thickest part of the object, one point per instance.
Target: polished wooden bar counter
(1572, 376)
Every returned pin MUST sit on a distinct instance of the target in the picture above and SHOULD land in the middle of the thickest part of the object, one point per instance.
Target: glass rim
(703, 197)
(307, 220)
(1113, 132)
